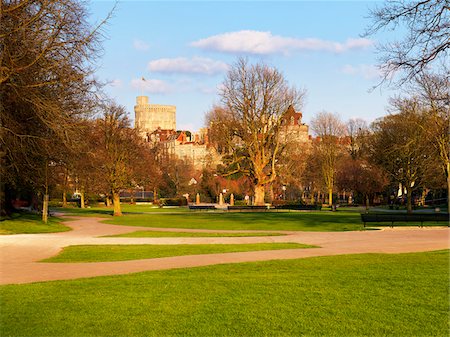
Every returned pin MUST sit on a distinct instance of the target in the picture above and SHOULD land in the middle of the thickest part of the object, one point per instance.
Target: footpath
(21, 254)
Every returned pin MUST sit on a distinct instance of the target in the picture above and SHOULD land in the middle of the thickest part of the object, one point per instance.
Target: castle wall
(149, 117)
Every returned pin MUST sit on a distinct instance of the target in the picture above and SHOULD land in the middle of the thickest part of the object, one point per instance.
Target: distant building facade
(149, 117)
(293, 129)
(157, 124)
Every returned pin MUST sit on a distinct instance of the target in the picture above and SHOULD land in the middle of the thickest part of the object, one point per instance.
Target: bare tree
(330, 130)
(47, 50)
(427, 39)
(359, 177)
(254, 98)
(120, 153)
(434, 95)
(357, 131)
(399, 145)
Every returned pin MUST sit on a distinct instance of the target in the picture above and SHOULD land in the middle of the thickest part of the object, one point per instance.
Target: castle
(149, 117)
(157, 125)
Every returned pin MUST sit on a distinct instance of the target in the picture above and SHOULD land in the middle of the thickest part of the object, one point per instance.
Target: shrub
(173, 202)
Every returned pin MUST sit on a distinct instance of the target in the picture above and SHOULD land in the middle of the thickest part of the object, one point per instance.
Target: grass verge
(353, 295)
(295, 221)
(23, 223)
(103, 253)
(163, 234)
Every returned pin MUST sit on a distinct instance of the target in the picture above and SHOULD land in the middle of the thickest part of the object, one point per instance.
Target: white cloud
(152, 86)
(257, 42)
(368, 71)
(196, 65)
(140, 45)
(116, 83)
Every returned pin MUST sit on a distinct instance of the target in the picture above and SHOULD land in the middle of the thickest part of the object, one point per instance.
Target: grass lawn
(126, 209)
(161, 234)
(352, 295)
(296, 221)
(22, 223)
(103, 253)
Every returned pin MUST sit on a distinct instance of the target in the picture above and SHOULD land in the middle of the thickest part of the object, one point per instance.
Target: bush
(172, 202)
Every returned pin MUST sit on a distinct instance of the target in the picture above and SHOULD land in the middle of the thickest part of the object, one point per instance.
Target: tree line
(407, 147)
(59, 129)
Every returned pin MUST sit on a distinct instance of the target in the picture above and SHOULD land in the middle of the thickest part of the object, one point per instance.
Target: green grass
(353, 295)
(23, 223)
(103, 253)
(161, 234)
(295, 221)
(104, 211)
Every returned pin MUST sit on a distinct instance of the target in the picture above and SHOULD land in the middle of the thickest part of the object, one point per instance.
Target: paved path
(20, 254)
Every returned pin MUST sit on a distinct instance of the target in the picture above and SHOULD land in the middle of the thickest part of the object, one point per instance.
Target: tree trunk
(367, 202)
(116, 202)
(259, 195)
(408, 199)
(64, 196)
(330, 196)
(271, 193)
(82, 205)
(45, 209)
(108, 201)
(448, 188)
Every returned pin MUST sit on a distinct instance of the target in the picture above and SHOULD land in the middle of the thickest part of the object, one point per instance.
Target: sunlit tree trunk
(82, 204)
(116, 202)
(64, 195)
(259, 195)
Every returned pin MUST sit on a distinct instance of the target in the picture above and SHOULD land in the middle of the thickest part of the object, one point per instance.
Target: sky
(183, 50)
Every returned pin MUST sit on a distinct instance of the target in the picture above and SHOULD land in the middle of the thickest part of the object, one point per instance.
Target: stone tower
(150, 117)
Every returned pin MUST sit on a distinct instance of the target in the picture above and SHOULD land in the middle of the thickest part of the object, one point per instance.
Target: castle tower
(150, 117)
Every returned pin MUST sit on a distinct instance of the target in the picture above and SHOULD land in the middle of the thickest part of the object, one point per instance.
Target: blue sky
(183, 49)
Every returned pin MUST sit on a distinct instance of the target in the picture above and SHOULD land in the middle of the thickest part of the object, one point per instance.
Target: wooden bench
(202, 207)
(248, 208)
(396, 217)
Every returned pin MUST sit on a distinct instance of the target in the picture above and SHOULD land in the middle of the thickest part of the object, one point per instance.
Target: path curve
(21, 253)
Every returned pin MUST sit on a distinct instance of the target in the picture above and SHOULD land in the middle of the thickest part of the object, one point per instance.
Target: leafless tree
(427, 40)
(433, 93)
(357, 131)
(360, 178)
(254, 98)
(330, 130)
(121, 156)
(47, 50)
(399, 145)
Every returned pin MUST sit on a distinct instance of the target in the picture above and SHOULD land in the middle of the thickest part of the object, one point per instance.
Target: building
(150, 117)
(292, 127)
(157, 124)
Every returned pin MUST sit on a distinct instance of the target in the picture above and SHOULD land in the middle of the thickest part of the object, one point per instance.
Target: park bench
(202, 207)
(248, 208)
(396, 217)
(299, 207)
